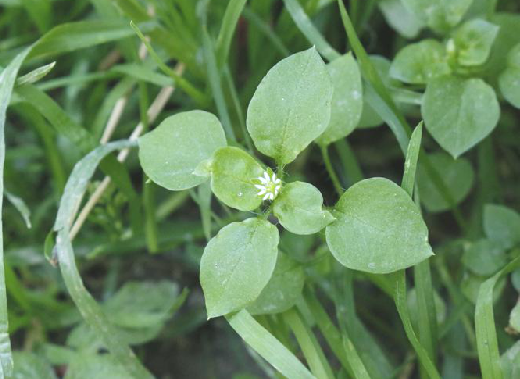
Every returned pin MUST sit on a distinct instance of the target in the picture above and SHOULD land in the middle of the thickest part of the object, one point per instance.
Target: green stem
(349, 161)
(330, 170)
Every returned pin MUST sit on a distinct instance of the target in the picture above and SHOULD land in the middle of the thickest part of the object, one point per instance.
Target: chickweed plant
(277, 208)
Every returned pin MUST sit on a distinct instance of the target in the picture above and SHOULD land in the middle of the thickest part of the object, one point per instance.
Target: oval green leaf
(378, 228)
(347, 99)
(473, 41)
(283, 290)
(234, 174)
(459, 113)
(237, 264)
(31, 366)
(299, 209)
(502, 225)
(440, 15)
(509, 80)
(291, 106)
(457, 175)
(170, 153)
(484, 257)
(420, 62)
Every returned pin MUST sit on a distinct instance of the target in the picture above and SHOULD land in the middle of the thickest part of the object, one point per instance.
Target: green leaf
(472, 42)
(487, 344)
(509, 79)
(459, 113)
(283, 289)
(509, 82)
(31, 366)
(88, 307)
(313, 35)
(20, 206)
(410, 164)
(268, 347)
(91, 366)
(420, 62)
(471, 283)
(170, 153)
(414, 304)
(502, 225)
(291, 106)
(510, 362)
(7, 81)
(514, 318)
(139, 310)
(440, 15)
(227, 29)
(79, 35)
(369, 117)
(347, 99)
(484, 257)
(234, 174)
(457, 175)
(515, 279)
(400, 18)
(36, 74)
(299, 209)
(378, 228)
(142, 304)
(237, 264)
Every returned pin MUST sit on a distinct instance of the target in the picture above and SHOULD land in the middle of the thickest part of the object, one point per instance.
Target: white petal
(273, 178)
(260, 186)
(266, 176)
(266, 196)
(262, 191)
(263, 180)
(276, 190)
(277, 181)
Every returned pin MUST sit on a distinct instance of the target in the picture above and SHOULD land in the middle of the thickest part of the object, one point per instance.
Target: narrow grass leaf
(309, 345)
(268, 346)
(79, 136)
(227, 29)
(487, 343)
(410, 164)
(7, 80)
(216, 84)
(305, 25)
(402, 308)
(88, 307)
(20, 206)
(79, 35)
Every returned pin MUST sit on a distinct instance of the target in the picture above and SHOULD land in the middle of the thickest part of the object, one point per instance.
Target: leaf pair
(458, 112)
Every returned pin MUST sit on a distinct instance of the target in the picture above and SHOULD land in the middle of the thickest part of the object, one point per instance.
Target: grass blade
(20, 206)
(178, 79)
(216, 85)
(309, 345)
(309, 30)
(402, 308)
(265, 28)
(79, 136)
(487, 344)
(410, 164)
(7, 80)
(268, 346)
(88, 307)
(229, 24)
(79, 35)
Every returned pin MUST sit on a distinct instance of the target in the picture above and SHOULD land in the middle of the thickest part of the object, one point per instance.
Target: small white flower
(269, 186)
